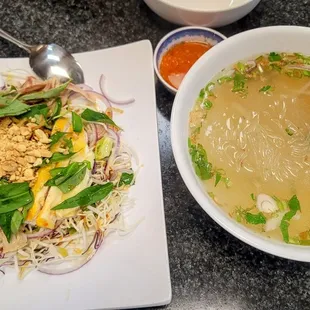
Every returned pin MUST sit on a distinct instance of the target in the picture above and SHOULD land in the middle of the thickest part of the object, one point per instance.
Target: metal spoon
(48, 60)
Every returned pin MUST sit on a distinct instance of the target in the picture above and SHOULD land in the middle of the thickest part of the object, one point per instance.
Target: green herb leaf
(57, 108)
(48, 94)
(126, 179)
(77, 123)
(13, 108)
(294, 207)
(38, 109)
(274, 57)
(265, 89)
(14, 196)
(255, 219)
(289, 131)
(87, 197)
(202, 167)
(69, 144)
(56, 157)
(5, 224)
(306, 73)
(239, 82)
(253, 197)
(67, 178)
(17, 220)
(93, 116)
(218, 178)
(56, 137)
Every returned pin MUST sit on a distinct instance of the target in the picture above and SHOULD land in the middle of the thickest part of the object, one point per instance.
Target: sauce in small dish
(177, 61)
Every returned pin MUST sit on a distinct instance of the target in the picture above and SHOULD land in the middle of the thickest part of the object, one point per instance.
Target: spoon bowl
(50, 60)
(53, 60)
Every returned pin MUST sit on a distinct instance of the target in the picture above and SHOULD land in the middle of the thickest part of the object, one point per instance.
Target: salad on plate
(65, 173)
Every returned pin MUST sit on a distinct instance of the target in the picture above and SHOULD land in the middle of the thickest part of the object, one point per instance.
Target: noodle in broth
(250, 145)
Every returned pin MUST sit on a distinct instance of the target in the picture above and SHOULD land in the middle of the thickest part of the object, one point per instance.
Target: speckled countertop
(209, 268)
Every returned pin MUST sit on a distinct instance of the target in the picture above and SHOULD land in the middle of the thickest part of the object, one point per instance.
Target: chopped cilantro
(253, 197)
(202, 167)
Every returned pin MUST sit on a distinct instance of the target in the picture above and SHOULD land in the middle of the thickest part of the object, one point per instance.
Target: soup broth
(250, 145)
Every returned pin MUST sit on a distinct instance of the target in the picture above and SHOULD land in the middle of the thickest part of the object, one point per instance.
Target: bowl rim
(167, 36)
(270, 246)
(196, 10)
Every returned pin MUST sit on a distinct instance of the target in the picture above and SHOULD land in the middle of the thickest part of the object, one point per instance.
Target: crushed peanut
(22, 148)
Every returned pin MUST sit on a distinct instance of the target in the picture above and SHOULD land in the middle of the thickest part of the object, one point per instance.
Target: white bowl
(241, 46)
(195, 34)
(202, 16)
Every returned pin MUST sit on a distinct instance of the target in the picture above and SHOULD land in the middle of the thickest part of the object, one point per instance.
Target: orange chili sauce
(180, 58)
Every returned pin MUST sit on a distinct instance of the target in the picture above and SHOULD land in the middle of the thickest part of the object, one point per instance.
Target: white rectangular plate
(130, 271)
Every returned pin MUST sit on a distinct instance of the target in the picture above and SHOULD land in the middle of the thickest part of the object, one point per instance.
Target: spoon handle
(8, 37)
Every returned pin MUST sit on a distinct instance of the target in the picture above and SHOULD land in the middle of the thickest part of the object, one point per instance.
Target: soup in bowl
(241, 137)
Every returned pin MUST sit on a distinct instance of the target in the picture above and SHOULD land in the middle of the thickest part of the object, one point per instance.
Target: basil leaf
(294, 207)
(255, 219)
(93, 116)
(57, 108)
(56, 137)
(126, 179)
(16, 221)
(56, 157)
(39, 109)
(69, 144)
(86, 197)
(68, 178)
(77, 123)
(274, 57)
(5, 224)
(14, 196)
(14, 108)
(47, 94)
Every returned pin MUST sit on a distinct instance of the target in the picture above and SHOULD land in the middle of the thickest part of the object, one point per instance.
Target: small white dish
(241, 46)
(129, 271)
(211, 13)
(188, 34)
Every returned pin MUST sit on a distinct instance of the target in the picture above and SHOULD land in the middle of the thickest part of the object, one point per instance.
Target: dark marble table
(210, 269)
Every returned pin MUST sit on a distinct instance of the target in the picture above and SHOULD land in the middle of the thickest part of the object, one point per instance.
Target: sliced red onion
(96, 95)
(66, 266)
(40, 234)
(102, 85)
(116, 137)
(84, 86)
